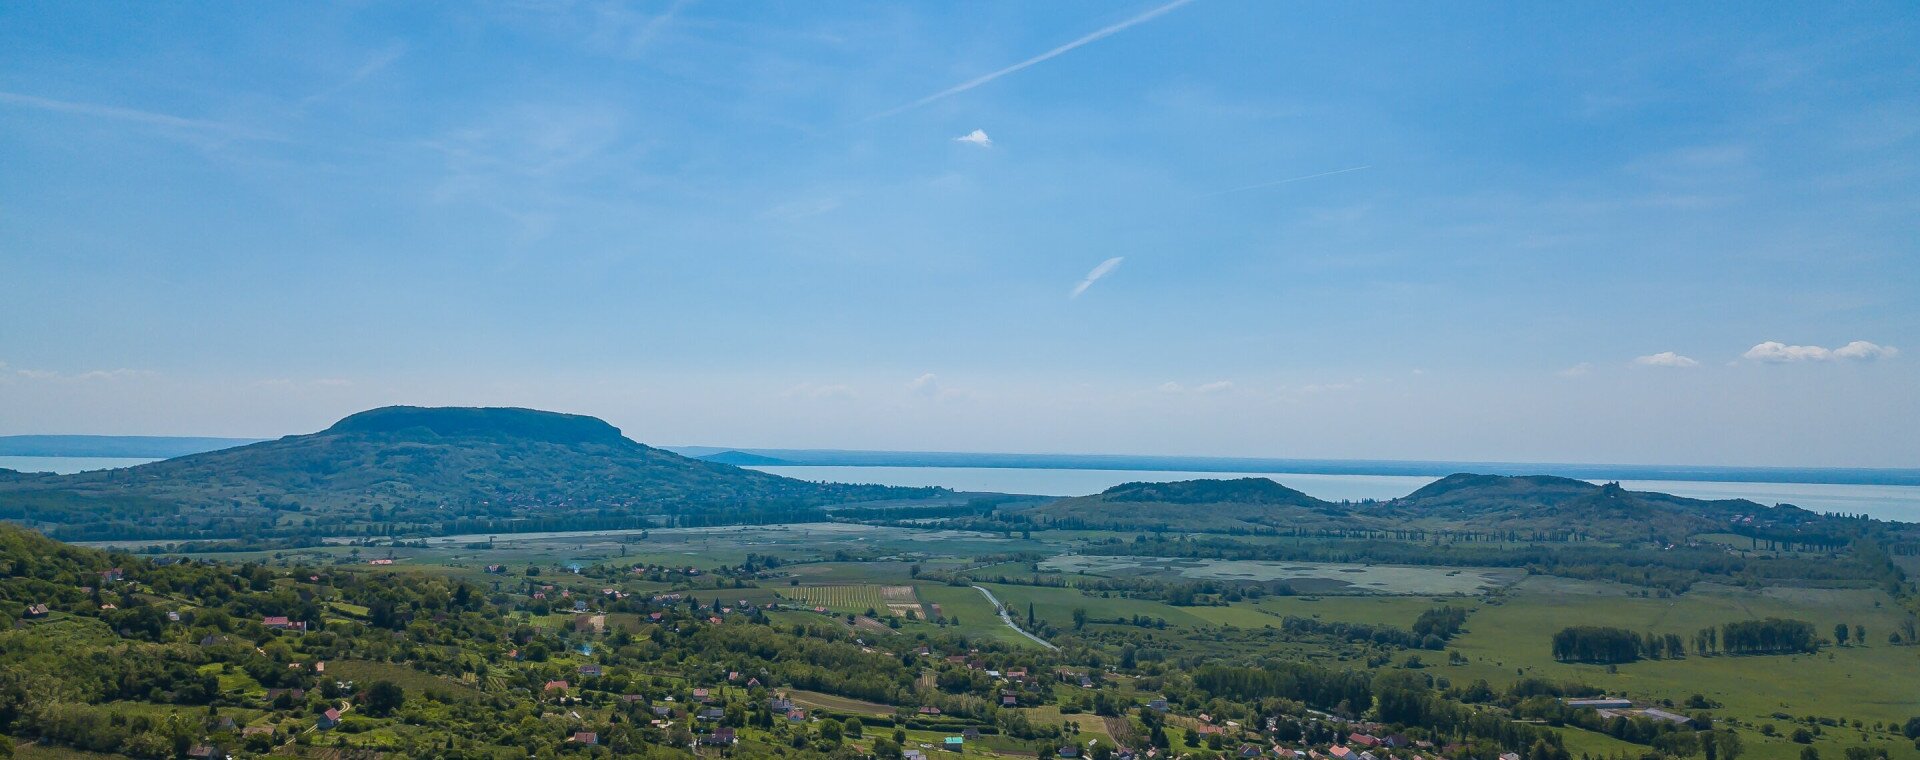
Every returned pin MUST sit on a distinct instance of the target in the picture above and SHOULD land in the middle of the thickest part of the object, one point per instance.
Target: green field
(1874, 683)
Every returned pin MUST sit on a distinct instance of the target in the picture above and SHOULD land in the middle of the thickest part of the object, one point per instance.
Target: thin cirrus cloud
(1289, 180)
(1103, 269)
(118, 113)
(1665, 359)
(1092, 37)
(1775, 352)
(976, 137)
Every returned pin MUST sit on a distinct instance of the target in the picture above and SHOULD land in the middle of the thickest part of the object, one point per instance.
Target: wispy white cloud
(1578, 370)
(1095, 36)
(1290, 180)
(795, 210)
(1103, 269)
(976, 137)
(149, 118)
(818, 391)
(1775, 352)
(1203, 389)
(89, 375)
(374, 64)
(1665, 359)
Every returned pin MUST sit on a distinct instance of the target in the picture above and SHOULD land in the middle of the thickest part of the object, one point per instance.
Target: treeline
(1397, 697)
(1609, 645)
(1769, 636)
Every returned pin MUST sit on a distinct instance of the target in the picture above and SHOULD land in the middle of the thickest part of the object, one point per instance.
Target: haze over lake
(1883, 502)
(1880, 501)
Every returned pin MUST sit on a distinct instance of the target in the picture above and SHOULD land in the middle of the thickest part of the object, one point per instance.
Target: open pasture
(1873, 683)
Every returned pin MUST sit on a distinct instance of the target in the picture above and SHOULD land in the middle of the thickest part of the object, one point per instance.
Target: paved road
(1008, 619)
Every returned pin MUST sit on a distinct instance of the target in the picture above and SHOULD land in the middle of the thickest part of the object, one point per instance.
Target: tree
(1840, 633)
(852, 727)
(1721, 745)
(1809, 753)
(1079, 618)
(1912, 728)
(384, 697)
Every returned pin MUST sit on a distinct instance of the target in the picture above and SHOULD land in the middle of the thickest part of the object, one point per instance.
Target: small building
(712, 713)
(585, 737)
(721, 737)
(1601, 703)
(590, 670)
(281, 623)
(1157, 705)
(36, 610)
(112, 575)
(1669, 717)
(954, 744)
(797, 715)
(328, 719)
(557, 686)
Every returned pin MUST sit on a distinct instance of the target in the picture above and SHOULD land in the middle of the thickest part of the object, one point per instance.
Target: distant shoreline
(163, 447)
(1602, 472)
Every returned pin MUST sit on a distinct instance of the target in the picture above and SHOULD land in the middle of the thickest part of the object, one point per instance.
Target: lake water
(68, 465)
(1884, 502)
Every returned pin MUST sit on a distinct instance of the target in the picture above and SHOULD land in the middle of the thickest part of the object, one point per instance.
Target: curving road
(1008, 619)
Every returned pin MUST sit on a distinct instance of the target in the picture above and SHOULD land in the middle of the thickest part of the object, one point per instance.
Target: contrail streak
(1054, 53)
(1289, 179)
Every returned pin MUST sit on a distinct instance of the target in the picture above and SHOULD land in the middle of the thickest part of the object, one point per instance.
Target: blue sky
(1477, 231)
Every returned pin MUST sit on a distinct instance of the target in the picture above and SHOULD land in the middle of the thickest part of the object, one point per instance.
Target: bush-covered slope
(416, 469)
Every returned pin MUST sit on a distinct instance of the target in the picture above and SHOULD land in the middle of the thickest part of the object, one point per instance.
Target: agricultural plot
(855, 598)
(1305, 577)
(1873, 683)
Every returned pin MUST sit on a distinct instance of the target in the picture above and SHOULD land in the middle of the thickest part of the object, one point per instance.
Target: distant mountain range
(1486, 504)
(113, 446)
(411, 470)
(1435, 469)
(161, 447)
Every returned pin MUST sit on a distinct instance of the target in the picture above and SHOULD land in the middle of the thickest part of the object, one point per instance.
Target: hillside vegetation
(419, 470)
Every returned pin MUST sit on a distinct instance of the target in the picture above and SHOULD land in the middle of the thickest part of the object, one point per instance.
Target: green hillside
(412, 469)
